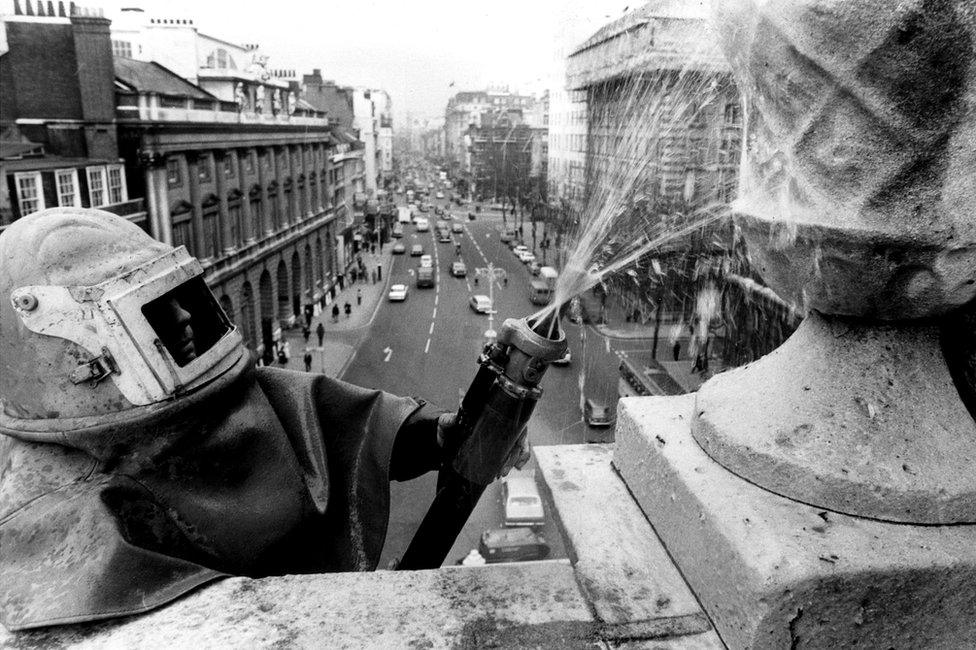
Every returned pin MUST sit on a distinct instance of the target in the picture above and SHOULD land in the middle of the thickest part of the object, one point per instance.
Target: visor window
(187, 320)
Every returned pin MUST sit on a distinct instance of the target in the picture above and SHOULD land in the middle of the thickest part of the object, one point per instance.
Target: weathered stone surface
(635, 590)
(775, 573)
(862, 120)
(535, 604)
(856, 419)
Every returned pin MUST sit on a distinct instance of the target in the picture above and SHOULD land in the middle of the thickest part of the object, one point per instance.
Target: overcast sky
(414, 50)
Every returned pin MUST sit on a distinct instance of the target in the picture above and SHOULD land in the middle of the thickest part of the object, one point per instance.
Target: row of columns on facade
(255, 226)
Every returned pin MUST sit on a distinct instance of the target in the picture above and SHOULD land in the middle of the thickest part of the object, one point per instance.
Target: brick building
(58, 145)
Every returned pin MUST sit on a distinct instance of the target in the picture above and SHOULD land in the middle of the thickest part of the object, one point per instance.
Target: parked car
(525, 257)
(512, 545)
(457, 228)
(598, 414)
(398, 293)
(521, 501)
(518, 249)
(459, 270)
(399, 249)
(426, 261)
(416, 250)
(480, 304)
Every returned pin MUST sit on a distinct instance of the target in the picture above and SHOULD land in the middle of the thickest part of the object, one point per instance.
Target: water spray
(491, 423)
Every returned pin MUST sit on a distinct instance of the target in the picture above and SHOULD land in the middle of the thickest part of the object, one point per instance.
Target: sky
(421, 52)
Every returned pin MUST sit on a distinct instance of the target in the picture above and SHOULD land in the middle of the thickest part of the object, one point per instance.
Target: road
(428, 347)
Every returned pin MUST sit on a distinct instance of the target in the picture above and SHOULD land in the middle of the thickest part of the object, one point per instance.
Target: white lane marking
(434, 316)
(436, 298)
(431, 330)
(469, 285)
(388, 351)
(427, 347)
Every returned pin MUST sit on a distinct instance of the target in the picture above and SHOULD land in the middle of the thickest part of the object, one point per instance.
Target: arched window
(274, 210)
(247, 315)
(254, 196)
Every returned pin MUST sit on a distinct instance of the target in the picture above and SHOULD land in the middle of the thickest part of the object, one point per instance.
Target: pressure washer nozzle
(547, 326)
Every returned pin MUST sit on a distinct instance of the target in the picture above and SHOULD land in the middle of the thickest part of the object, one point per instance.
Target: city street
(428, 347)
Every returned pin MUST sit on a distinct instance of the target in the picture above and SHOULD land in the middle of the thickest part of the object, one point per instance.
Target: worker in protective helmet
(142, 454)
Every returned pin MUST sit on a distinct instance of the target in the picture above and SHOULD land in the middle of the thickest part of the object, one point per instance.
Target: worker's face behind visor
(187, 320)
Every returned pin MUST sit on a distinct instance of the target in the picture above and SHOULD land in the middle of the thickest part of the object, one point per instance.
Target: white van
(540, 293)
(403, 214)
(548, 275)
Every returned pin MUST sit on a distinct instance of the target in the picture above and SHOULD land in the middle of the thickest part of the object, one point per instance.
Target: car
(598, 414)
(426, 261)
(398, 293)
(534, 267)
(506, 236)
(480, 304)
(440, 195)
(416, 250)
(564, 360)
(521, 501)
(525, 257)
(397, 231)
(519, 249)
(457, 228)
(424, 207)
(512, 545)
(422, 225)
(443, 236)
(459, 270)
(399, 249)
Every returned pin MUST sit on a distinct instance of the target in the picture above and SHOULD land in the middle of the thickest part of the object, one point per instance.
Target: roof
(43, 163)
(18, 149)
(151, 77)
(677, 9)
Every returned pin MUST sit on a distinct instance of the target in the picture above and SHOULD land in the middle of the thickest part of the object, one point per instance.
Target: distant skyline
(421, 52)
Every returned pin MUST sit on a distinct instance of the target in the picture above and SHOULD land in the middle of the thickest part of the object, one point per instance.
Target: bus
(641, 374)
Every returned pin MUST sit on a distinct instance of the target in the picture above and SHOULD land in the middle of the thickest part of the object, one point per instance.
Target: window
(205, 169)
(116, 185)
(229, 166)
(249, 162)
(96, 186)
(122, 49)
(183, 228)
(236, 217)
(67, 185)
(173, 175)
(29, 196)
(211, 229)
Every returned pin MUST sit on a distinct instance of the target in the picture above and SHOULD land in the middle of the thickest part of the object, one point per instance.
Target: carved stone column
(193, 178)
(226, 227)
(262, 226)
(247, 236)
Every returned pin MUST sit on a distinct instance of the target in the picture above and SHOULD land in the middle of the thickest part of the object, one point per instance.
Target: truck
(403, 214)
(425, 277)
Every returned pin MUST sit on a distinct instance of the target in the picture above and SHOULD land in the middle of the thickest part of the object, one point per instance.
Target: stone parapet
(773, 572)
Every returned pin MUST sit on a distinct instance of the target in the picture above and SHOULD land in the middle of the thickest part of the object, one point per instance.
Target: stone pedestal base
(775, 573)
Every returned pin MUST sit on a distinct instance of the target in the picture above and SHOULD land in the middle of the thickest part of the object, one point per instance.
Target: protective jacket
(268, 472)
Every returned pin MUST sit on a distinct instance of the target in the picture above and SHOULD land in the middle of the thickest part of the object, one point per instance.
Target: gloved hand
(447, 427)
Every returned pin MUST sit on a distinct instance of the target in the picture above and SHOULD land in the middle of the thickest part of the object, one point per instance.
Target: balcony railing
(153, 107)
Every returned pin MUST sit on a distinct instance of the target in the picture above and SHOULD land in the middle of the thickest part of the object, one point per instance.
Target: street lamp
(490, 273)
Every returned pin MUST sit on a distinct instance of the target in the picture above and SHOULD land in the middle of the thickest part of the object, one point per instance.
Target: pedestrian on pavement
(379, 272)
(308, 360)
(372, 275)
(359, 296)
(676, 350)
(348, 309)
(306, 332)
(320, 330)
(335, 314)
(284, 353)
(505, 281)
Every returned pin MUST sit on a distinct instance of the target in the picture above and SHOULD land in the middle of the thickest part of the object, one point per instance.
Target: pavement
(342, 337)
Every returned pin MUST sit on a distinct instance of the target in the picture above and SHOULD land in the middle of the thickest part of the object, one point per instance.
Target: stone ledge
(772, 572)
(535, 604)
(634, 589)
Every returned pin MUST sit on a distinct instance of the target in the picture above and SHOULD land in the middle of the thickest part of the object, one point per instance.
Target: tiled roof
(149, 76)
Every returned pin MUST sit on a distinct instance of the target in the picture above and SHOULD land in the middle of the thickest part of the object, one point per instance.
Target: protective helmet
(99, 320)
